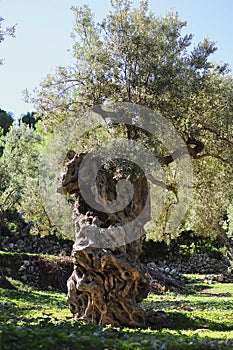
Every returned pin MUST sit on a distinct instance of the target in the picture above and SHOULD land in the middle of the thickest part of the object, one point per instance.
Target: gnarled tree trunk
(108, 281)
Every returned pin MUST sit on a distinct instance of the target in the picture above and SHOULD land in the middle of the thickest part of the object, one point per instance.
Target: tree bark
(108, 281)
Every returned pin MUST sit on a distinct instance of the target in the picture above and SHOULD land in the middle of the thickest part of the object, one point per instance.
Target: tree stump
(108, 281)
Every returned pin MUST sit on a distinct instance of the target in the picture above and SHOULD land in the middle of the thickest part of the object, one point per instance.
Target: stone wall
(202, 264)
(51, 244)
(27, 243)
(37, 271)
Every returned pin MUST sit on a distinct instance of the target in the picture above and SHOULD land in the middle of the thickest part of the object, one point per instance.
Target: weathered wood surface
(107, 283)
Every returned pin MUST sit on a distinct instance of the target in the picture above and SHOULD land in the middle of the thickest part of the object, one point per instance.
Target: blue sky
(43, 38)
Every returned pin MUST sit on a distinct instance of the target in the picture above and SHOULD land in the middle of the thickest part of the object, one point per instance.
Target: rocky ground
(45, 273)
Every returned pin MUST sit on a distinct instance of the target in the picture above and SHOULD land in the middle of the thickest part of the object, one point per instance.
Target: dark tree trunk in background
(226, 242)
(108, 281)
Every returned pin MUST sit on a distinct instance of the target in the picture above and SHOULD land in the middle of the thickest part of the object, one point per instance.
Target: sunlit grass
(201, 318)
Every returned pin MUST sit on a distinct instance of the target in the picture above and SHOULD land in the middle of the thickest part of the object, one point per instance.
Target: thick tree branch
(193, 146)
(163, 185)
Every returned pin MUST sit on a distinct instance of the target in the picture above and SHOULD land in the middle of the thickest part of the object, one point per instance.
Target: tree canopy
(134, 56)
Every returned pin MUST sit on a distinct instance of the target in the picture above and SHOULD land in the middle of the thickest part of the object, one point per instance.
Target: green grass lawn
(199, 319)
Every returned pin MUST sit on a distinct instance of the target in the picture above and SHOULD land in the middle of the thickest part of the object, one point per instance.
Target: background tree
(30, 119)
(18, 160)
(19, 189)
(134, 56)
(8, 31)
(6, 120)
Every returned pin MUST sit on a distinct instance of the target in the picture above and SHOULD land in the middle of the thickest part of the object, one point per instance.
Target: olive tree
(135, 57)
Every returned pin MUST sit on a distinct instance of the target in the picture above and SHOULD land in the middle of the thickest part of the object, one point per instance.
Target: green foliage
(19, 161)
(199, 320)
(132, 55)
(19, 189)
(229, 223)
(1, 140)
(188, 243)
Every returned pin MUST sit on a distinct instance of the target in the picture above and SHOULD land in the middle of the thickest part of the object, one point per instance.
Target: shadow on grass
(20, 306)
(48, 336)
(182, 321)
(31, 296)
(77, 336)
(189, 305)
(25, 328)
